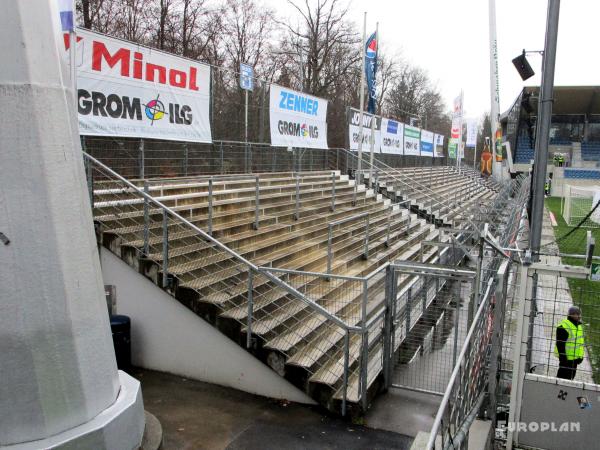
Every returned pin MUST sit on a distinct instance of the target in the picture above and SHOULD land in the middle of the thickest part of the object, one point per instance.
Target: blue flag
(371, 70)
(65, 8)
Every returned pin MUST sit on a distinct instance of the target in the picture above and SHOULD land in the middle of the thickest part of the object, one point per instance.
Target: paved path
(196, 415)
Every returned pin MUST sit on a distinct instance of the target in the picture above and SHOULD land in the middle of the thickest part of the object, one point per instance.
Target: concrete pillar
(59, 384)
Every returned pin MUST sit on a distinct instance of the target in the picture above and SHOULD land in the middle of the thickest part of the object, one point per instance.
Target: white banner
(438, 146)
(353, 119)
(127, 90)
(426, 143)
(297, 119)
(392, 136)
(472, 128)
(412, 140)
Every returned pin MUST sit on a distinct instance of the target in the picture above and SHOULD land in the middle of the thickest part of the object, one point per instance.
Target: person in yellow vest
(569, 344)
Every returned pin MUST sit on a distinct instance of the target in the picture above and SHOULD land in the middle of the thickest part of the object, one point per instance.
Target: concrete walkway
(196, 415)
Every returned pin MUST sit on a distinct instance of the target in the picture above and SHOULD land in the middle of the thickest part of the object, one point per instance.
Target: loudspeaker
(523, 67)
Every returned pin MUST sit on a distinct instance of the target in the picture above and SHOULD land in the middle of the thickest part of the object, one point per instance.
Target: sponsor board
(353, 119)
(127, 90)
(392, 136)
(412, 140)
(438, 146)
(426, 143)
(297, 119)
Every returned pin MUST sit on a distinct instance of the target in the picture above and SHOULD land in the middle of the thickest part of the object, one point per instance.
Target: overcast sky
(449, 38)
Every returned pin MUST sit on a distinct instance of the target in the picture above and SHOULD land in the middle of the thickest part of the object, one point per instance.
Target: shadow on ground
(197, 415)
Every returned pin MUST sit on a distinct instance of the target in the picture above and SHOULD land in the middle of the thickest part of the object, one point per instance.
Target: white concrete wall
(167, 336)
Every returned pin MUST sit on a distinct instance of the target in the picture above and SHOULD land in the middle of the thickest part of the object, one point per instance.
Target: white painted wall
(167, 336)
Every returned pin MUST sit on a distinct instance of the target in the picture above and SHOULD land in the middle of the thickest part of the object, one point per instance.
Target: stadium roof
(569, 99)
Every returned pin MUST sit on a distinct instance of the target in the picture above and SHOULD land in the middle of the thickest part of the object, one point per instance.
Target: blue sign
(392, 127)
(246, 77)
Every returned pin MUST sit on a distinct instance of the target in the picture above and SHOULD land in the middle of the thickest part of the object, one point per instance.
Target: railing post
(257, 204)
(408, 309)
(142, 160)
(364, 366)
(329, 251)
(250, 308)
(366, 253)
(90, 181)
(355, 191)
(165, 262)
(146, 220)
(346, 368)
(222, 159)
(332, 191)
(297, 211)
(389, 221)
(388, 350)
(185, 159)
(210, 205)
(456, 324)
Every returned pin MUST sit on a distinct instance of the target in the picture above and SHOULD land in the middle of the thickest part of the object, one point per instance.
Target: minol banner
(392, 136)
(438, 146)
(127, 90)
(412, 140)
(353, 119)
(297, 119)
(426, 143)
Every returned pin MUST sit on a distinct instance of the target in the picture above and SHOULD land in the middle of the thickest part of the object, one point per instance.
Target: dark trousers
(567, 370)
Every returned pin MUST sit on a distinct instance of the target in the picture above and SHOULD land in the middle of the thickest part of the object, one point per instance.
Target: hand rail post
(210, 205)
(256, 204)
(346, 368)
(165, 250)
(329, 252)
(366, 253)
(146, 221)
(364, 364)
(185, 160)
(297, 211)
(387, 237)
(332, 191)
(142, 160)
(250, 308)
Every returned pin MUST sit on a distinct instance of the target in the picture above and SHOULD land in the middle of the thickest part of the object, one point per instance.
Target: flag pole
(494, 85)
(374, 118)
(362, 102)
(72, 44)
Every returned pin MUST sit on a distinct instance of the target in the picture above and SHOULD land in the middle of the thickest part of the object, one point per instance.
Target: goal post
(578, 202)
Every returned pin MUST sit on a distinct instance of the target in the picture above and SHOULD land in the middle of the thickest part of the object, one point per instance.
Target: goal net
(578, 202)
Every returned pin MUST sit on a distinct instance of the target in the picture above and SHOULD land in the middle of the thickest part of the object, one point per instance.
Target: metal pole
(250, 308)
(210, 205)
(256, 204)
(185, 160)
(246, 126)
(346, 364)
(332, 191)
(142, 162)
(494, 83)
(329, 239)
(362, 101)
(374, 118)
(146, 220)
(297, 212)
(364, 367)
(165, 250)
(543, 128)
(366, 253)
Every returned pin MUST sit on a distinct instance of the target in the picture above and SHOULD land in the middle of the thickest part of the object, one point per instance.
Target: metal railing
(178, 254)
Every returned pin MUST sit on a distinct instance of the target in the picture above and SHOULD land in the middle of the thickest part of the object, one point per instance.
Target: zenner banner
(353, 120)
(297, 119)
(126, 90)
(392, 136)
(426, 143)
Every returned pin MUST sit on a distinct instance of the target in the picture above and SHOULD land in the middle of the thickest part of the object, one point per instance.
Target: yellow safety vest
(574, 346)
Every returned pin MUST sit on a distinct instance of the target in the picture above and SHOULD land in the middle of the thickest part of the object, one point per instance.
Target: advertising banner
(412, 140)
(438, 146)
(297, 119)
(426, 143)
(392, 136)
(127, 90)
(472, 133)
(353, 119)
(452, 148)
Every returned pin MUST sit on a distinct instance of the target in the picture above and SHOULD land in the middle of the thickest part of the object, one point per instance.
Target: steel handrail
(290, 289)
